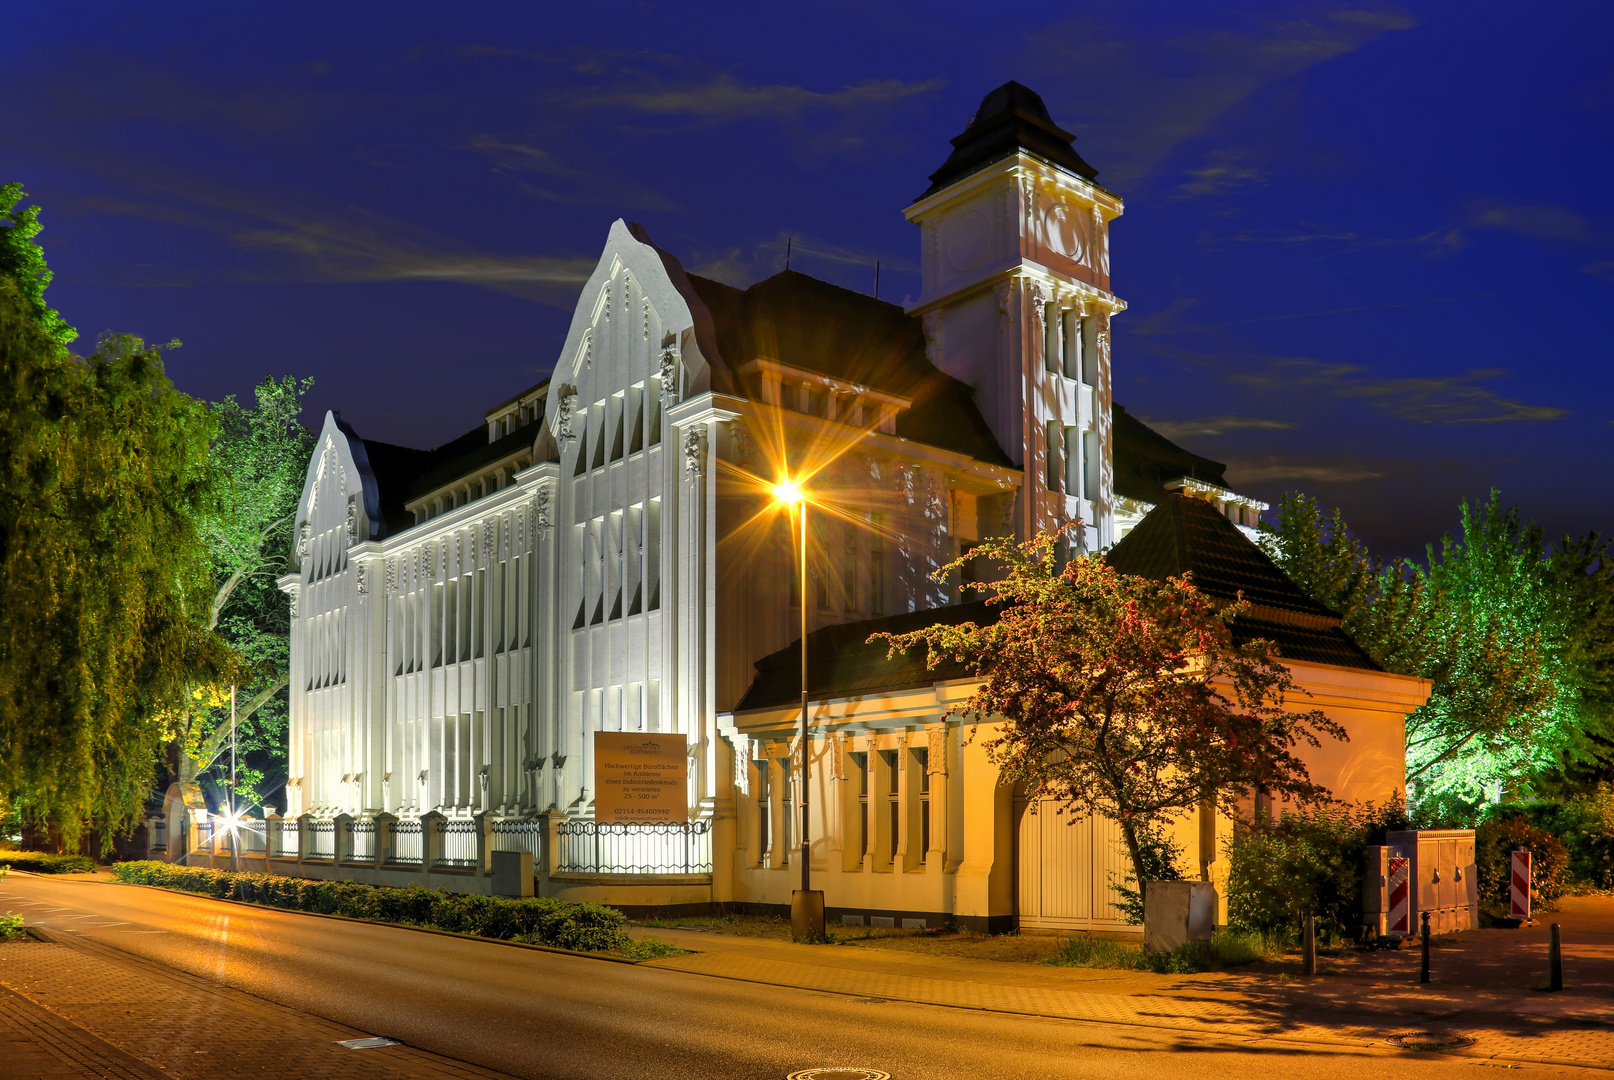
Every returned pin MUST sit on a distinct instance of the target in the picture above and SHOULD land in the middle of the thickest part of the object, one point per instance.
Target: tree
(104, 581)
(22, 260)
(260, 455)
(1122, 696)
(1516, 639)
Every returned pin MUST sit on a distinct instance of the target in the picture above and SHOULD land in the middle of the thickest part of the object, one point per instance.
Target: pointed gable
(1184, 535)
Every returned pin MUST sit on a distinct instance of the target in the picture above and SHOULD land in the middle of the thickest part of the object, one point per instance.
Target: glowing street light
(790, 494)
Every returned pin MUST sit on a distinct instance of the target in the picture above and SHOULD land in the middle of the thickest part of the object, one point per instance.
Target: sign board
(1400, 917)
(1519, 887)
(640, 776)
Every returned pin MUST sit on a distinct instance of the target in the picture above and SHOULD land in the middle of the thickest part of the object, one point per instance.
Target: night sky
(1368, 250)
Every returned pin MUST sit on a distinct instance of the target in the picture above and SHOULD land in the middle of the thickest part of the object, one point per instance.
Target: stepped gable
(805, 323)
(1184, 535)
(1146, 460)
(1011, 118)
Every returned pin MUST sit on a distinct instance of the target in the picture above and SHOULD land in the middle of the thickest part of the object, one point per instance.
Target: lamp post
(806, 907)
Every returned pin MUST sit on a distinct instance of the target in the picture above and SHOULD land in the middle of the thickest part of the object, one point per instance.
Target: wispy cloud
(1157, 94)
(1449, 399)
(1224, 172)
(1552, 223)
(1299, 469)
(1209, 426)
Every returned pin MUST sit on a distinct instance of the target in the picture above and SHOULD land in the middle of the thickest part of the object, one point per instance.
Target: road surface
(552, 1016)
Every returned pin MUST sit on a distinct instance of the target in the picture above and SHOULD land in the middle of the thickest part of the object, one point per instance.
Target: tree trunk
(1129, 833)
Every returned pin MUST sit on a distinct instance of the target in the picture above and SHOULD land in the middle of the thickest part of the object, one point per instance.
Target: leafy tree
(104, 581)
(1516, 639)
(1121, 696)
(261, 457)
(23, 262)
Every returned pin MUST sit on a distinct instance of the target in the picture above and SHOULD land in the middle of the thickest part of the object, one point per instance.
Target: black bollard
(1308, 947)
(1423, 976)
(1555, 962)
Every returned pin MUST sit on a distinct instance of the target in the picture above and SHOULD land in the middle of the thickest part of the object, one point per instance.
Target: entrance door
(1064, 868)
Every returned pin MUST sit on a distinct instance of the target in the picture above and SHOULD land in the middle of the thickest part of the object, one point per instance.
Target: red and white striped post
(1399, 922)
(1519, 898)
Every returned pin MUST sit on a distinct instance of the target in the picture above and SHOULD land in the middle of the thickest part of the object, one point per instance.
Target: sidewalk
(151, 1021)
(1482, 989)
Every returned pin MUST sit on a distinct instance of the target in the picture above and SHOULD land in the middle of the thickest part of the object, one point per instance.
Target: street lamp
(806, 907)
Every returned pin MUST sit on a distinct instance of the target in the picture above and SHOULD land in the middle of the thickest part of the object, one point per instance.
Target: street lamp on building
(806, 906)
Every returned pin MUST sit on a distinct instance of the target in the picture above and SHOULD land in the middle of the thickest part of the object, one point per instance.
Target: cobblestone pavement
(151, 1021)
(1564, 1029)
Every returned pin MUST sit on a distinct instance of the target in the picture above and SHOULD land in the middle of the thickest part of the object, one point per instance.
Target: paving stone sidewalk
(82, 1010)
(1560, 1029)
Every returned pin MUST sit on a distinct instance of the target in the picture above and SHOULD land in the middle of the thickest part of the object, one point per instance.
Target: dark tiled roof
(1011, 118)
(1146, 459)
(402, 472)
(809, 324)
(841, 662)
(1180, 535)
(1183, 534)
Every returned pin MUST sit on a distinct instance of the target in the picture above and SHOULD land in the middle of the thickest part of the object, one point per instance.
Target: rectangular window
(633, 558)
(619, 415)
(893, 803)
(861, 763)
(652, 705)
(436, 645)
(479, 615)
(500, 574)
(467, 624)
(582, 432)
(598, 425)
(451, 608)
(921, 762)
(652, 555)
(1089, 336)
(764, 798)
(653, 413)
(787, 815)
(876, 564)
(614, 561)
(1050, 338)
(524, 603)
(636, 419)
(1053, 474)
(1070, 328)
(1090, 464)
(1073, 460)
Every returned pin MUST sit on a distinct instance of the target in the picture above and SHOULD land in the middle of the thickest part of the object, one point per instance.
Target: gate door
(1064, 865)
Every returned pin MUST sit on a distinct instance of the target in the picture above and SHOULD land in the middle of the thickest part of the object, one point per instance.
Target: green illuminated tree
(1122, 696)
(260, 455)
(104, 577)
(23, 262)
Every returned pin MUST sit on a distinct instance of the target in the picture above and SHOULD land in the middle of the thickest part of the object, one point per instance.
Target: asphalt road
(546, 1015)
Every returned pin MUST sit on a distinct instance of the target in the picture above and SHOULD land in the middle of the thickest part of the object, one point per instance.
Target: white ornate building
(602, 552)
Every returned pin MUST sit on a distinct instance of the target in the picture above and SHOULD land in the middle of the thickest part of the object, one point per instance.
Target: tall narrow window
(787, 815)
(582, 444)
(479, 614)
(500, 576)
(764, 799)
(893, 803)
(1070, 328)
(1050, 338)
(876, 564)
(1051, 441)
(635, 419)
(524, 604)
(615, 560)
(653, 411)
(451, 608)
(849, 566)
(633, 558)
(652, 554)
(1073, 461)
(1090, 464)
(436, 647)
(615, 405)
(921, 762)
(861, 763)
(1089, 337)
(598, 425)
(467, 625)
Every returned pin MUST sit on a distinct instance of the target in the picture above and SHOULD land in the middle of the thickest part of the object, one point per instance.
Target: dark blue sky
(1369, 250)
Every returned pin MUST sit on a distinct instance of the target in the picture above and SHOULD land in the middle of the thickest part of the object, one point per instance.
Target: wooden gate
(1064, 866)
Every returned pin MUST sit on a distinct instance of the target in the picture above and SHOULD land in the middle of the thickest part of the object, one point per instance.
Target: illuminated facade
(602, 552)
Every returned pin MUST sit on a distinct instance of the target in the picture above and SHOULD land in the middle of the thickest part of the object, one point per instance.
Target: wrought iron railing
(457, 850)
(519, 834)
(652, 847)
(283, 840)
(249, 836)
(407, 848)
(361, 841)
(321, 840)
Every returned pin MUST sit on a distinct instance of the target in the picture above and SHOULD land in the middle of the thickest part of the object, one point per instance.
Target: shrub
(43, 862)
(1309, 861)
(1494, 843)
(11, 927)
(1159, 854)
(534, 920)
(1224, 949)
(1583, 823)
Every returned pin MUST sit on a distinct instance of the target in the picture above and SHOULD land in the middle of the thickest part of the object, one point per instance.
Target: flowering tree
(1122, 696)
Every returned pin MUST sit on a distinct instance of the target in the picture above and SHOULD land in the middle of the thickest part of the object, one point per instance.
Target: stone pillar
(272, 826)
(303, 835)
(936, 765)
(983, 886)
(342, 840)
(431, 839)
(484, 844)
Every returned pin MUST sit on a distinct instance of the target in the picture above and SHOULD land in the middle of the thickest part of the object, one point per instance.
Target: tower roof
(1011, 118)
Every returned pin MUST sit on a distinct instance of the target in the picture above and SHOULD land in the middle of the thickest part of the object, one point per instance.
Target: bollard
(1423, 976)
(1308, 947)
(1555, 961)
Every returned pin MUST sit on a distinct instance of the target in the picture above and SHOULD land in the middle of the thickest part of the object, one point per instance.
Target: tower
(1016, 302)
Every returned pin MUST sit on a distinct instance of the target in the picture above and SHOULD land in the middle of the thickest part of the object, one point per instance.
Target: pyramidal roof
(1011, 118)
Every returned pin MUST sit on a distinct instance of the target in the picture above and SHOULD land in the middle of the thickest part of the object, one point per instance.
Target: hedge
(534, 920)
(1494, 843)
(42, 862)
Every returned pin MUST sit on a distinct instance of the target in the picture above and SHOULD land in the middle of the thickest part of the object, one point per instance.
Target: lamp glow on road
(788, 492)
